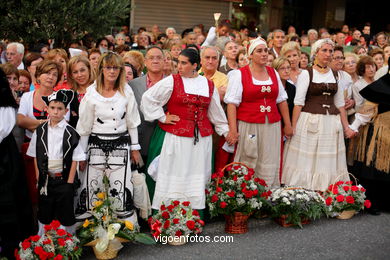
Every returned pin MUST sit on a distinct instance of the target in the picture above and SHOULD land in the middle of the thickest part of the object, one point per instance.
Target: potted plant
(104, 231)
(344, 199)
(55, 244)
(296, 206)
(174, 222)
(235, 193)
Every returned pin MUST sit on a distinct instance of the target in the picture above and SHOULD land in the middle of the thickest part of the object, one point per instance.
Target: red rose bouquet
(55, 243)
(235, 189)
(176, 219)
(344, 196)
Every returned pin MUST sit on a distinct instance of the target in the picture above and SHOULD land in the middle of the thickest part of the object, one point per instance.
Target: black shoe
(374, 211)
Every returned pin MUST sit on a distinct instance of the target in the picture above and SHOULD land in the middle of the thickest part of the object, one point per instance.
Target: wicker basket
(178, 241)
(282, 220)
(236, 223)
(346, 214)
(109, 253)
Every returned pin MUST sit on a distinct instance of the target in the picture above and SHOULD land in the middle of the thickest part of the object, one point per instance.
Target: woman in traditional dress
(255, 95)
(372, 157)
(108, 121)
(315, 156)
(15, 213)
(185, 131)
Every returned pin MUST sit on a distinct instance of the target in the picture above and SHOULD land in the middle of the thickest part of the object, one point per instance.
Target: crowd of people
(179, 106)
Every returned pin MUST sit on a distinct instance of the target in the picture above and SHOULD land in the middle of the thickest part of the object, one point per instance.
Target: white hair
(318, 44)
(120, 35)
(170, 29)
(312, 31)
(19, 47)
(211, 48)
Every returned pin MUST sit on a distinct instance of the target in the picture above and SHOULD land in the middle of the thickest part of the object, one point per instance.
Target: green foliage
(63, 21)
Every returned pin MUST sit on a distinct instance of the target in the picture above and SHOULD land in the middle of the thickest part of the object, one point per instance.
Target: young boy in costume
(56, 149)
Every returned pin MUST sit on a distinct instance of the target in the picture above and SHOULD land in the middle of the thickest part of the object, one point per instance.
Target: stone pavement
(362, 237)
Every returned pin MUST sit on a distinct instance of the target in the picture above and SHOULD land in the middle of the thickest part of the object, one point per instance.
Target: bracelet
(134, 144)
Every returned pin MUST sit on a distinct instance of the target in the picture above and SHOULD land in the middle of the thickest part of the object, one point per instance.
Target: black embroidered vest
(69, 143)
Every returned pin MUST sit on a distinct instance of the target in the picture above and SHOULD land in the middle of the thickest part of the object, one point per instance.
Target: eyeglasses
(338, 58)
(157, 58)
(285, 68)
(350, 62)
(114, 68)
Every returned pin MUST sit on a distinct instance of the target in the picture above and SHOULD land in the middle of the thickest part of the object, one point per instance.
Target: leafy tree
(62, 20)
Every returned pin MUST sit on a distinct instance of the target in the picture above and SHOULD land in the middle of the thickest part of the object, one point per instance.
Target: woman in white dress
(193, 105)
(315, 156)
(108, 120)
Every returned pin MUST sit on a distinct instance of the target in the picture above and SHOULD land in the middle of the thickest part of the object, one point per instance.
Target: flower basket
(346, 214)
(236, 223)
(234, 189)
(104, 231)
(55, 243)
(296, 206)
(174, 222)
(283, 221)
(343, 199)
(109, 253)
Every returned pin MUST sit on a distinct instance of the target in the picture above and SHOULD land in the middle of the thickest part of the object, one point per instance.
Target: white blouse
(101, 115)
(234, 90)
(303, 85)
(7, 115)
(156, 97)
(356, 87)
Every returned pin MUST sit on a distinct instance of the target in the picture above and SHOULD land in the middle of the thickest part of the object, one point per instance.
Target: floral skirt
(315, 156)
(110, 157)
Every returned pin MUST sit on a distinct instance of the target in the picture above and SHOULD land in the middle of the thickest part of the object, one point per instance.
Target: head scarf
(254, 43)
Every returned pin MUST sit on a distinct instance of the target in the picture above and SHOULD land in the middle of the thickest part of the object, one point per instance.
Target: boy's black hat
(63, 95)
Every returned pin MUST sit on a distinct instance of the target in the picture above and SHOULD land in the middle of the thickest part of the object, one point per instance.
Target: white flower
(285, 200)
(240, 201)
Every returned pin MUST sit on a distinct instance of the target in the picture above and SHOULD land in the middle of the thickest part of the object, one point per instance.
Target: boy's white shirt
(55, 138)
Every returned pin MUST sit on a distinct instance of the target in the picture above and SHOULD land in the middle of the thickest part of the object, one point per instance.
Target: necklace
(322, 69)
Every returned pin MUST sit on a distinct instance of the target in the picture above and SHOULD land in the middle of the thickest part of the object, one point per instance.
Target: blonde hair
(60, 52)
(137, 57)
(290, 46)
(73, 61)
(279, 61)
(111, 59)
(353, 55)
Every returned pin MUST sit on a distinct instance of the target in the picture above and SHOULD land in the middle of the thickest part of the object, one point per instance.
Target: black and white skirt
(107, 154)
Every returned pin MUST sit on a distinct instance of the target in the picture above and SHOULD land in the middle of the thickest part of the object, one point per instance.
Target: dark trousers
(58, 203)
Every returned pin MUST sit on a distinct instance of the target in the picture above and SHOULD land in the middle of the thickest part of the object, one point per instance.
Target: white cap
(254, 43)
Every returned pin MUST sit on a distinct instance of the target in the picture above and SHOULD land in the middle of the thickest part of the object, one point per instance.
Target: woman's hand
(82, 165)
(288, 131)
(349, 103)
(171, 119)
(349, 133)
(135, 157)
(232, 137)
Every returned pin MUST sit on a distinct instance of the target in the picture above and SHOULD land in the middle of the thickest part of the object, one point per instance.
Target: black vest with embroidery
(69, 143)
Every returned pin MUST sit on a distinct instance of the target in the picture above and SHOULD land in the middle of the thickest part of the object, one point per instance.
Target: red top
(258, 101)
(192, 110)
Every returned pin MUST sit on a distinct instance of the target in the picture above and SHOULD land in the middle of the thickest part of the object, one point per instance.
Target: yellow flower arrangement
(101, 195)
(86, 223)
(98, 203)
(129, 225)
